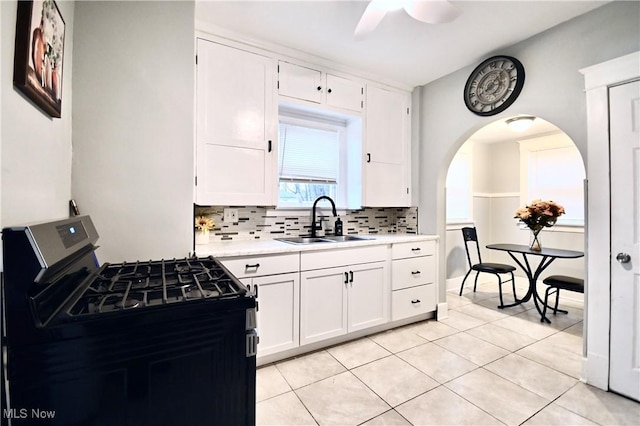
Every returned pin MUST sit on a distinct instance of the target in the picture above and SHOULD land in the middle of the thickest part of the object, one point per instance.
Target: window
(459, 188)
(552, 169)
(310, 150)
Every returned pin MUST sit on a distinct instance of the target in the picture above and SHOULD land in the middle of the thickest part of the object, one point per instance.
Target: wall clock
(494, 85)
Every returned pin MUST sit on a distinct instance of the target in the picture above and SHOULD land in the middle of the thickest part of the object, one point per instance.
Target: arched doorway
(495, 172)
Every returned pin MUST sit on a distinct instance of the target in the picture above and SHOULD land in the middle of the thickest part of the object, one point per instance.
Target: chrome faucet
(313, 213)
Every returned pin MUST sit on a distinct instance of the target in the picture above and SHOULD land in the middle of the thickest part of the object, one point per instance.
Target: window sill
(567, 228)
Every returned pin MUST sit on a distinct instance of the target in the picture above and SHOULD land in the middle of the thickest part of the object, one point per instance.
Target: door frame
(598, 78)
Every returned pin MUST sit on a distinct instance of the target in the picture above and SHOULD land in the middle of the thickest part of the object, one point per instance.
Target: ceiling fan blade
(432, 11)
(371, 17)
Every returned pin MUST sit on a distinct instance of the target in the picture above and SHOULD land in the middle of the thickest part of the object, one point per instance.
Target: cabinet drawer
(413, 249)
(256, 266)
(412, 272)
(341, 257)
(413, 301)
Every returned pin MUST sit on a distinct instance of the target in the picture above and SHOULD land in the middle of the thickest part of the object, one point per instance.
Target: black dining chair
(471, 237)
(555, 284)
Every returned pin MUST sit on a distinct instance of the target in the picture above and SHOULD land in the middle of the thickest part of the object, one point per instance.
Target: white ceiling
(401, 49)
(499, 131)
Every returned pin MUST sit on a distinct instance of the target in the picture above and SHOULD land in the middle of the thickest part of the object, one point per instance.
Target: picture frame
(39, 54)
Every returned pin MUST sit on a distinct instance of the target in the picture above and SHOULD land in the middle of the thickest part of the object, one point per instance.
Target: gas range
(121, 343)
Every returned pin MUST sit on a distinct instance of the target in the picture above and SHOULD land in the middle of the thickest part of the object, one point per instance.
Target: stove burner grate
(125, 286)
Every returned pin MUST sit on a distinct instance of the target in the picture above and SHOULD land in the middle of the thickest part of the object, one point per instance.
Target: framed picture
(39, 54)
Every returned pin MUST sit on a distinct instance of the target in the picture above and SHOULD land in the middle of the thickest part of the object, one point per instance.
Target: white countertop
(257, 247)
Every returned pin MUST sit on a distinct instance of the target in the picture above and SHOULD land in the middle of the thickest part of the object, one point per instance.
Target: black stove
(121, 344)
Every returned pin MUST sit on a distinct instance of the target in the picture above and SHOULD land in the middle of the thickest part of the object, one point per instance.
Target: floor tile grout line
(435, 341)
(305, 407)
(533, 343)
(565, 408)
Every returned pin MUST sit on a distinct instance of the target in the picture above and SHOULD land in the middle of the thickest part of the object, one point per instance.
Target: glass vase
(202, 237)
(535, 243)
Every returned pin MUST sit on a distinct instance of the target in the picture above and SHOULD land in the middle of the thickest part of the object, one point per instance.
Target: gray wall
(133, 118)
(553, 90)
(35, 181)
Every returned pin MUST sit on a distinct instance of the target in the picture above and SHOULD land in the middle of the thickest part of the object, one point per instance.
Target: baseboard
(442, 312)
(595, 371)
(454, 283)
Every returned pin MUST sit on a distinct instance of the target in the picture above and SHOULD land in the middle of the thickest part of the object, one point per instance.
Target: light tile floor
(480, 366)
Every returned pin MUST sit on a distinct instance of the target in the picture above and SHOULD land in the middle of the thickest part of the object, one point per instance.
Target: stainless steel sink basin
(327, 239)
(303, 240)
(343, 238)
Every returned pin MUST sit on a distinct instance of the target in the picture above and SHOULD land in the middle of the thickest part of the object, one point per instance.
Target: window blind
(308, 154)
(558, 174)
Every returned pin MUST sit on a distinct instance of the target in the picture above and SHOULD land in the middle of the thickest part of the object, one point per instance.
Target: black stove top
(125, 286)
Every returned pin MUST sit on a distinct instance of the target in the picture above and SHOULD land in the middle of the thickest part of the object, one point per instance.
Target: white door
(278, 312)
(625, 239)
(323, 304)
(386, 168)
(236, 127)
(300, 82)
(368, 295)
(344, 93)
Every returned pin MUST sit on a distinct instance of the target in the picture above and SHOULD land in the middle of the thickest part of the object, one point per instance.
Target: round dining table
(548, 255)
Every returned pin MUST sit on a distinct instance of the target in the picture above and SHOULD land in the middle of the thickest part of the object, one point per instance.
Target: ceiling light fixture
(520, 124)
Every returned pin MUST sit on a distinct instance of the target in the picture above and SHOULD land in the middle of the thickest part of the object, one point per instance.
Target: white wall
(133, 126)
(553, 90)
(35, 182)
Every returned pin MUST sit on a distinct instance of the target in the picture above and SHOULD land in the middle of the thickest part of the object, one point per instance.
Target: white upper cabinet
(236, 127)
(312, 85)
(344, 93)
(299, 82)
(387, 139)
(238, 89)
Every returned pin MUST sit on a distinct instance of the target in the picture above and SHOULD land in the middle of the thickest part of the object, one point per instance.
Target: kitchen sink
(327, 239)
(343, 238)
(303, 240)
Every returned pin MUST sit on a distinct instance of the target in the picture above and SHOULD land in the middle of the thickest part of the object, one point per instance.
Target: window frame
(467, 153)
(548, 142)
(321, 122)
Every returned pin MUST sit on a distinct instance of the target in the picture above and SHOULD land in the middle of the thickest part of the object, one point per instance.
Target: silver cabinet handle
(623, 258)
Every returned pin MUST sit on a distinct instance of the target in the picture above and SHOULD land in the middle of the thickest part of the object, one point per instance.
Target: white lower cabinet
(278, 299)
(342, 299)
(276, 282)
(324, 304)
(413, 280)
(312, 296)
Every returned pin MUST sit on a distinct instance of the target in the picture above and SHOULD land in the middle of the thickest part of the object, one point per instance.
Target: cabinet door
(344, 93)
(368, 295)
(387, 142)
(235, 127)
(323, 304)
(278, 312)
(300, 82)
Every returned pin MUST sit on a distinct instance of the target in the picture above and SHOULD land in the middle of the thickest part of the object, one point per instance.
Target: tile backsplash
(262, 222)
